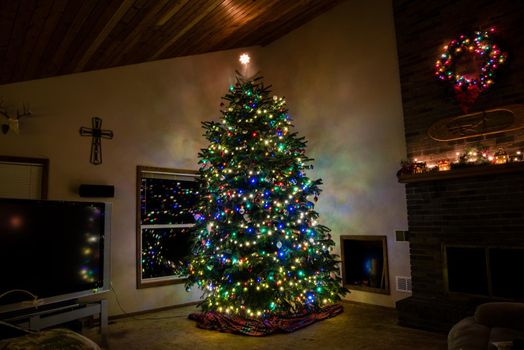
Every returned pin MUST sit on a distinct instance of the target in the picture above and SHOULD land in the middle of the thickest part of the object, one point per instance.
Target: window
(24, 178)
(166, 200)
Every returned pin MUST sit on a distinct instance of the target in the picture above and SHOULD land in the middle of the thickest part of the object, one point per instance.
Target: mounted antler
(3, 109)
(13, 122)
(26, 112)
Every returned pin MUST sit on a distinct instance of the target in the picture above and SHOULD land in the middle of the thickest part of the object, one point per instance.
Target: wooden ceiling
(44, 38)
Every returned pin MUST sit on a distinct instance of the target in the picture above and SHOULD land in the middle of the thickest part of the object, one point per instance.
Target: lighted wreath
(469, 63)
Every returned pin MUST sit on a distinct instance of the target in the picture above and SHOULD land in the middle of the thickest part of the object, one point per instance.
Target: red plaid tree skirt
(260, 327)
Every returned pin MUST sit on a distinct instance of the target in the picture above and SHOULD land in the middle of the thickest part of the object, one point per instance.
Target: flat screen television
(52, 251)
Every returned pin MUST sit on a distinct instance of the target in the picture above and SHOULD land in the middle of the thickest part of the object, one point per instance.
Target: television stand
(52, 316)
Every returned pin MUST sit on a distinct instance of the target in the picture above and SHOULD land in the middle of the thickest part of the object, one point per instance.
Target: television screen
(52, 249)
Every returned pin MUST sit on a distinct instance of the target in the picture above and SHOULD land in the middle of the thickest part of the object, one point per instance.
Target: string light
(259, 249)
(486, 57)
(88, 251)
(482, 48)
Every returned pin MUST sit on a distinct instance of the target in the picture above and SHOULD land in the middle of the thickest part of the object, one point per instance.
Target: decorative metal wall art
(97, 134)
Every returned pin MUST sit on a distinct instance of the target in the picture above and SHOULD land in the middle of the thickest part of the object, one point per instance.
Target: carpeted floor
(362, 327)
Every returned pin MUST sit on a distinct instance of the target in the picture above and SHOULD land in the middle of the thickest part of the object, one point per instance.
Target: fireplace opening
(487, 271)
(467, 270)
(365, 263)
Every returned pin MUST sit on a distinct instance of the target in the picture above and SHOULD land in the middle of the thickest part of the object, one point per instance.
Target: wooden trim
(145, 312)
(140, 170)
(475, 170)
(138, 231)
(44, 186)
(167, 170)
(368, 305)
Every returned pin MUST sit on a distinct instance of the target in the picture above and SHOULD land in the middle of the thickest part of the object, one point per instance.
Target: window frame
(141, 172)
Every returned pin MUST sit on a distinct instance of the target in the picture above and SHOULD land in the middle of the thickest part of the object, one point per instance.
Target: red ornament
(466, 96)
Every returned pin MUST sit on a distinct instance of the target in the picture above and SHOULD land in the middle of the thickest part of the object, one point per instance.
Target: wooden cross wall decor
(97, 134)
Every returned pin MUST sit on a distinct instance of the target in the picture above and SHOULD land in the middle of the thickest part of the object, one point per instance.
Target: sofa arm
(501, 314)
(57, 338)
(468, 335)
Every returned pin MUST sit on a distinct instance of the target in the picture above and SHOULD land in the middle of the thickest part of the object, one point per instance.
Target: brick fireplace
(477, 209)
(483, 213)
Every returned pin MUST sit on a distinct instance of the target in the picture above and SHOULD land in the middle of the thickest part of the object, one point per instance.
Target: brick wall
(485, 210)
(423, 28)
(480, 210)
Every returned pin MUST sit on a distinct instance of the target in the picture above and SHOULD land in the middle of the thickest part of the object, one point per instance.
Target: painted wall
(339, 74)
(154, 109)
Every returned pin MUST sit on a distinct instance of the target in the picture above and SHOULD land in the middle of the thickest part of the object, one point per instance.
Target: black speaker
(106, 191)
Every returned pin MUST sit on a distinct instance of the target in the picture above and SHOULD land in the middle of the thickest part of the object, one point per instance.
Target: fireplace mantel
(478, 170)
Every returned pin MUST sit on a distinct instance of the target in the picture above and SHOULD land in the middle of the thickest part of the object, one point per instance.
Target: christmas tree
(258, 249)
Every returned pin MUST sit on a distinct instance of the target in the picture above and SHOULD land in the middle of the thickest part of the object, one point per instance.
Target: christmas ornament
(260, 253)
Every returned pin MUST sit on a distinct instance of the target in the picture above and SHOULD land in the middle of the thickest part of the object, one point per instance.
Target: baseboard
(143, 312)
(367, 304)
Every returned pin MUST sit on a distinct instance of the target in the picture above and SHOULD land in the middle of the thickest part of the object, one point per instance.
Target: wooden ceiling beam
(221, 27)
(120, 12)
(19, 31)
(212, 5)
(298, 19)
(43, 38)
(8, 11)
(47, 29)
(67, 31)
(264, 21)
(171, 12)
(216, 26)
(116, 55)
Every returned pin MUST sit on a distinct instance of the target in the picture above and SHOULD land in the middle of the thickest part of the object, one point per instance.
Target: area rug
(260, 327)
